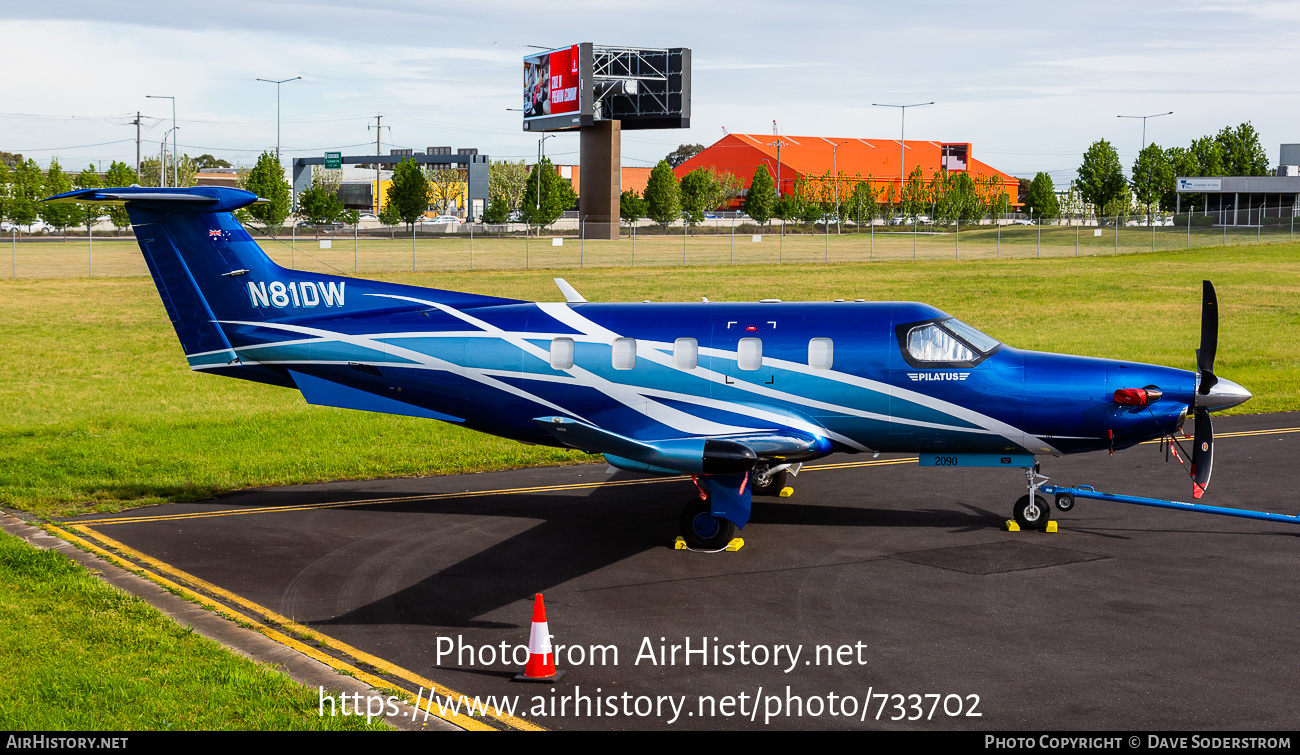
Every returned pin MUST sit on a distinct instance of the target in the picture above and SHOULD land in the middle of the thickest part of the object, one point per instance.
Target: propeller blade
(1202, 453)
(1209, 337)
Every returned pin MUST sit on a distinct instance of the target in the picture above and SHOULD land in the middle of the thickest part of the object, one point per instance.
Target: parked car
(446, 219)
(368, 216)
(1023, 221)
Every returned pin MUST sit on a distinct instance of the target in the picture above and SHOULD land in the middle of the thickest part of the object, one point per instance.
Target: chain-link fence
(576, 243)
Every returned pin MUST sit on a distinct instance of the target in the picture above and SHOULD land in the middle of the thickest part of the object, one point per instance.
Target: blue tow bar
(1086, 491)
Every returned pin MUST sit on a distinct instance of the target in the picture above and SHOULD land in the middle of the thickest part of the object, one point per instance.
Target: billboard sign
(575, 86)
(1200, 184)
(554, 89)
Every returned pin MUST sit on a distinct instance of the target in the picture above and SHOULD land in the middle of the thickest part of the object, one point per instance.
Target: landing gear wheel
(703, 531)
(1035, 517)
(1064, 502)
(772, 486)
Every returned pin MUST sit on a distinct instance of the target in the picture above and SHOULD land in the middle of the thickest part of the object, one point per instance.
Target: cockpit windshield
(948, 341)
(972, 336)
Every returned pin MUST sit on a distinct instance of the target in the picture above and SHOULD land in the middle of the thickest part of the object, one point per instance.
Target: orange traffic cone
(541, 662)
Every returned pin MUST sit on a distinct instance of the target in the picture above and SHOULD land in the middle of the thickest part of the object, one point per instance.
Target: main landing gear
(703, 531)
(709, 521)
(768, 482)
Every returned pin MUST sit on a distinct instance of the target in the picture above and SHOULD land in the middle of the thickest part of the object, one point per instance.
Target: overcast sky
(1029, 87)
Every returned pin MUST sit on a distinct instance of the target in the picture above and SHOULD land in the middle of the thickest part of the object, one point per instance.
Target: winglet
(571, 294)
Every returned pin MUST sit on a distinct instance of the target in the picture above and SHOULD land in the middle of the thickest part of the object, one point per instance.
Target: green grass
(98, 410)
(81, 655)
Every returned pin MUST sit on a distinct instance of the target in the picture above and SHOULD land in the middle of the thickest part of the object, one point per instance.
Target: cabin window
(686, 353)
(624, 353)
(749, 353)
(821, 353)
(930, 343)
(562, 353)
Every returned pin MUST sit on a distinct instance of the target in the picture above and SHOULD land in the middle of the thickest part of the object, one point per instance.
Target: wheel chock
(1010, 525)
(786, 492)
(736, 544)
(1051, 527)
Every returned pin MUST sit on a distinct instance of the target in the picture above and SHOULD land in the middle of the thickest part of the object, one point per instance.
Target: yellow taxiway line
(267, 615)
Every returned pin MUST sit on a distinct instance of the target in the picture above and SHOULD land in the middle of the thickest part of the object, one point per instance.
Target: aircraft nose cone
(1222, 395)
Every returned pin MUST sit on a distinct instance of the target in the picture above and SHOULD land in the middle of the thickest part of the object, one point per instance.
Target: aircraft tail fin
(199, 255)
(218, 285)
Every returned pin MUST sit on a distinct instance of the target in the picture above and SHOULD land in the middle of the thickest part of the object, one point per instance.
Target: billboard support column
(600, 179)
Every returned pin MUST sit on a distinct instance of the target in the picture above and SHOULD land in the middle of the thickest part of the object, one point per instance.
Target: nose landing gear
(1032, 511)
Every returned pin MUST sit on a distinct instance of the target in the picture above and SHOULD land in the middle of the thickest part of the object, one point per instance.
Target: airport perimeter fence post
(826, 257)
(914, 220)
(957, 232)
(1225, 231)
(871, 252)
(1259, 229)
(412, 247)
(998, 222)
(1117, 234)
(90, 252)
(293, 246)
(356, 242)
(634, 224)
(733, 241)
(1189, 228)
(686, 228)
(1153, 234)
(1039, 253)
(1189, 220)
(1076, 240)
(781, 250)
(13, 261)
(471, 245)
(582, 242)
(526, 235)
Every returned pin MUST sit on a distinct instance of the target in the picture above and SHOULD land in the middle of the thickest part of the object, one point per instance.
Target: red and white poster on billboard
(551, 83)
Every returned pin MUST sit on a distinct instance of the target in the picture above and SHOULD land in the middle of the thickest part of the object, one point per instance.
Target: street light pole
(162, 158)
(835, 167)
(1144, 126)
(160, 168)
(541, 154)
(1143, 145)
(277, 110)
(902, 142)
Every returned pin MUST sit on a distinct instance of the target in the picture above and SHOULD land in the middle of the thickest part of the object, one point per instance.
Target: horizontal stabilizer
(187, 199)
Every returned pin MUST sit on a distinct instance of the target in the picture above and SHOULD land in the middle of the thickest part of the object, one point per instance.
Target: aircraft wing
(731, 454)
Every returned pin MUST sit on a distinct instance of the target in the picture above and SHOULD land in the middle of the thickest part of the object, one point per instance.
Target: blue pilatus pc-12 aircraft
(735, 395)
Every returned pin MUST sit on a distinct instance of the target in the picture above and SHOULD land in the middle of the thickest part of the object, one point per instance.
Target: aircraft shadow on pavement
(580, 535)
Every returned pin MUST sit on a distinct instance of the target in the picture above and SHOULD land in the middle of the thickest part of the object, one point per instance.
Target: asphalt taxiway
(1128, 618)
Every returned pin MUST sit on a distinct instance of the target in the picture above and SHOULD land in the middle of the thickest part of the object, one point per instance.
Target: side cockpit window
(949, 342)
(930, 343)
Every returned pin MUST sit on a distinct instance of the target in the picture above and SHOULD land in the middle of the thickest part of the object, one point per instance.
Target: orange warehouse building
(814, 157)
(632, 178)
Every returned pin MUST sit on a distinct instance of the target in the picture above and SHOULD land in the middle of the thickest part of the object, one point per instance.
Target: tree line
(1102, 188)
(23, 184)
(950, 195)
